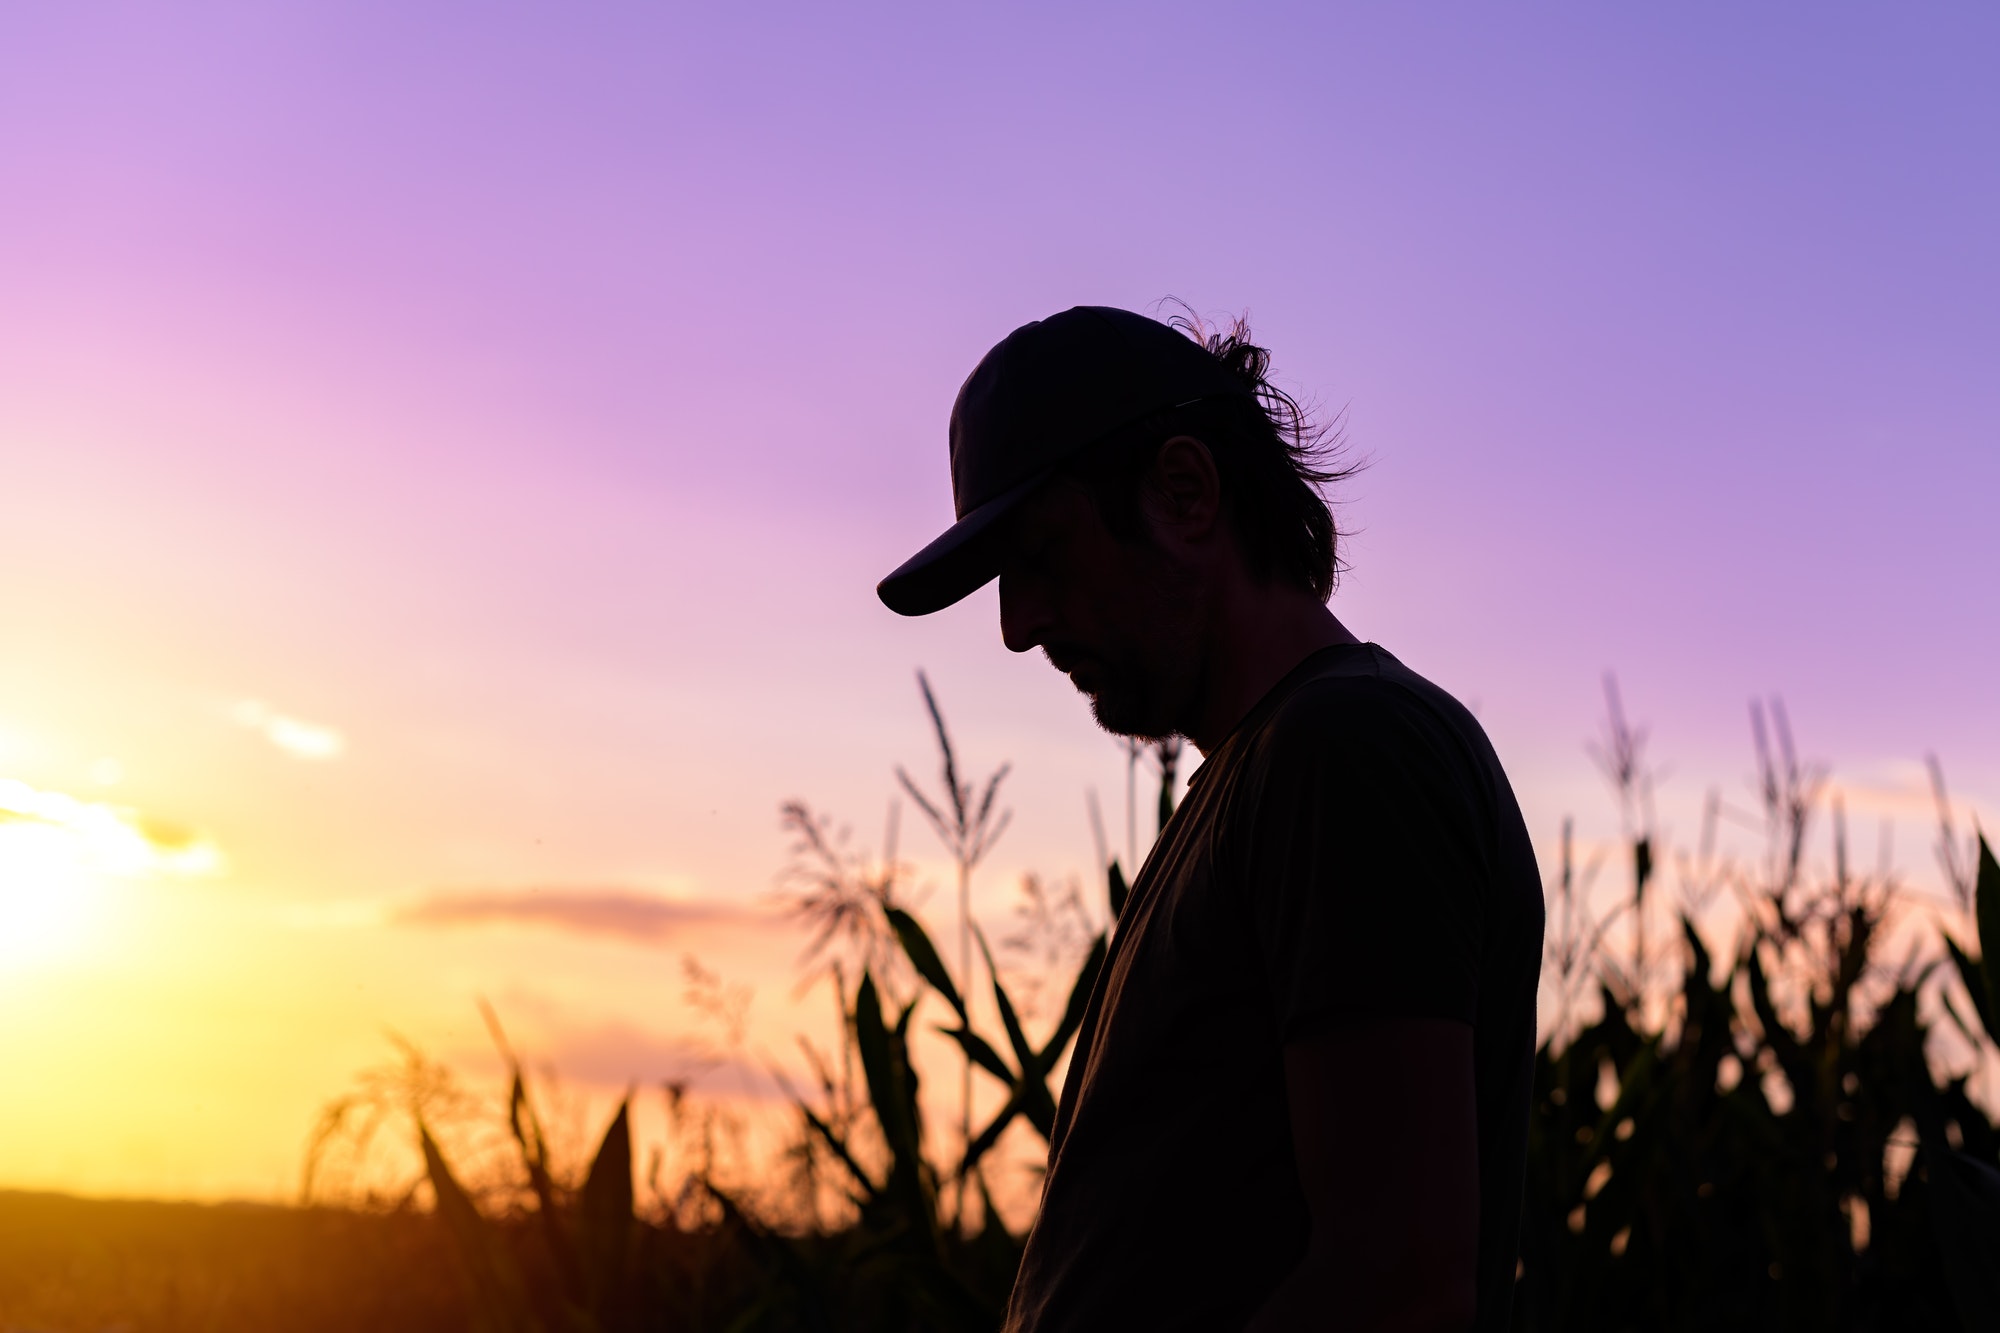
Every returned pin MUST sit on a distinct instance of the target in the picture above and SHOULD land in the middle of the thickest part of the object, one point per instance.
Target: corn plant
(1026, 1078)
(1966, 1215)
(904, 1260)
(968, 823)
(1770, 1150)
(587, 1242)
(1751, 1133)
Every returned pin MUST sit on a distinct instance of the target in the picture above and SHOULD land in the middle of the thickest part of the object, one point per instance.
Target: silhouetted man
(1299, 1096)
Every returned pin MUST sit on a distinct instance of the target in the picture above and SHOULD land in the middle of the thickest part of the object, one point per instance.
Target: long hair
(1274, 457)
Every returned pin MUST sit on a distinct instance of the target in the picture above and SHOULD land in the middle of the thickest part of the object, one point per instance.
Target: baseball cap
(1047, 391)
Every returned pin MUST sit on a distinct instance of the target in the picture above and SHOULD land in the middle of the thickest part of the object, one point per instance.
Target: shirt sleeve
(1365, 861)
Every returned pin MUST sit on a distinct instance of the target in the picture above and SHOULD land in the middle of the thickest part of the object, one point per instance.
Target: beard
(1137, 655)
(1129, 705)
(1143, 683)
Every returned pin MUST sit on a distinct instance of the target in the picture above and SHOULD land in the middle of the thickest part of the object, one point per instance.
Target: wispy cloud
(47, 828)
(617, 1054)
(623, 913)
(295, 736)
(337, 914)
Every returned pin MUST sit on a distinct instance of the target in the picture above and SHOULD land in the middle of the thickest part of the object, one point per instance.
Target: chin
(1129, 714)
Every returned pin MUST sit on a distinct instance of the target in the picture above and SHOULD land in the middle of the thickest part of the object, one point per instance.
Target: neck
(1257, 634)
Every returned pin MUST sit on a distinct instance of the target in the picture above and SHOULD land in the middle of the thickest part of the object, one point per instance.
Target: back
(1352, 849)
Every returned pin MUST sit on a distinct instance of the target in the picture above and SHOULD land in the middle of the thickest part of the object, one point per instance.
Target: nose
(1024, 614)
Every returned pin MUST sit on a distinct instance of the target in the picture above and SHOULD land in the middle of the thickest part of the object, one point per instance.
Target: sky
(447, 452)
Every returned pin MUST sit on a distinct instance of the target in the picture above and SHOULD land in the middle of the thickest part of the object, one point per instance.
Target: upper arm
(1366, 870)
(1363, 868)
(1386, 1137)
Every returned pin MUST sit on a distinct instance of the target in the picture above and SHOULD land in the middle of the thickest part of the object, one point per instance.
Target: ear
(1183, 491)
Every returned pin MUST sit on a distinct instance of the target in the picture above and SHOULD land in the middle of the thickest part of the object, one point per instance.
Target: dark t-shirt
(1352, 849)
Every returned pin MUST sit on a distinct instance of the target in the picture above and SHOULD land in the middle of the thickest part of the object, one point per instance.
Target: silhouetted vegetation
(1766, 1142)
(1752, 1109)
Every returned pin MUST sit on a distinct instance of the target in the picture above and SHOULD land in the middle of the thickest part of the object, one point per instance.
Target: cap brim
(958, 563)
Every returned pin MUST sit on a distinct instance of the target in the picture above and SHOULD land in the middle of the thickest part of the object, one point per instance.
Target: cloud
(50, 828)
(622, 913)
(617, 1054)
(296, 737)
(337, 914)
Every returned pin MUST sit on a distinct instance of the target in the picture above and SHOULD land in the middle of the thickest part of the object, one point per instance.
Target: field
(93, 1266)
(1756, 1107)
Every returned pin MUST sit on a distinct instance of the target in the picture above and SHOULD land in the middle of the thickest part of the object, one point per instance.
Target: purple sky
(535, 396)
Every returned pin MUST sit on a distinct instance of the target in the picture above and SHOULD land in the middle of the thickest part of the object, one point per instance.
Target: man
(1299, 1096)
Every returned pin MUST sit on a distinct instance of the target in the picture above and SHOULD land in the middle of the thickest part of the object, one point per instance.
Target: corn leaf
(607, 1209)
(527, 1131)
(892, 1091)
(1024, 1053)
(838, 1147)
(1699, 962)
(1027, 1097)
(1970, 1032)
(496, 1293)
(1973, 974)
(1039, 1107)
(1986, 911)
(526, 1128)
(1119, 892)
(1030, 1099)
(871, 1038)
(1777, 1036)
(1964, 1205)
(1079, 1001)
(983, 1142)
(923, 956)
(981, 1053)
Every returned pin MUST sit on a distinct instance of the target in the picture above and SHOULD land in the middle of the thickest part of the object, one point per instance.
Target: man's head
(1125, 480)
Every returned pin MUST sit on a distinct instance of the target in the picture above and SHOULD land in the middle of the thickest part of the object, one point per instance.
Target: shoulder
(1362, 697)
(1359, 731)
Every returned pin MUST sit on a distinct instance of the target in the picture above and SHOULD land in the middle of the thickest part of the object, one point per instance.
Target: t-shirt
(1351, 849)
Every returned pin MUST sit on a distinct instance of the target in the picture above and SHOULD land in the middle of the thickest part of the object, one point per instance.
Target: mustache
(1064, 657)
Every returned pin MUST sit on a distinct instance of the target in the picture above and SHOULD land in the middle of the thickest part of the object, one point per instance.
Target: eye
(1028, 544)
(1041, 550)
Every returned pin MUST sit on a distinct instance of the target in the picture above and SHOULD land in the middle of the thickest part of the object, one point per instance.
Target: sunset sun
(57, 856)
